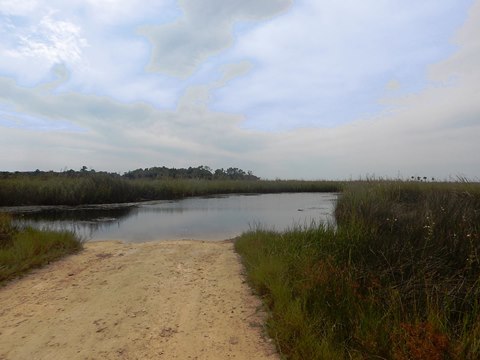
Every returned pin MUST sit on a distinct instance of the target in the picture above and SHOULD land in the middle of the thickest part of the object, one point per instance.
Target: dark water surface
(202, 218)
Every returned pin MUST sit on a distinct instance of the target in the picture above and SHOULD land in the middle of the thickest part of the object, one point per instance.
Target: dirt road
(162, 300)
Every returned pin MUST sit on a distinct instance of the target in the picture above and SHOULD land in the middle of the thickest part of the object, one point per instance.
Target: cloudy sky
(312, 89)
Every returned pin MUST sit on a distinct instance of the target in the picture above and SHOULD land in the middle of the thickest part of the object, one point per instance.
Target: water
(201, 218)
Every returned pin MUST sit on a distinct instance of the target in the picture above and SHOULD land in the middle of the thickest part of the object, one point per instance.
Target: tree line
(200, 172)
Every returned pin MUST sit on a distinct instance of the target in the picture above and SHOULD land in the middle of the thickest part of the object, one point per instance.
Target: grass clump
(399, 278)
(24, 249)
(7, 230)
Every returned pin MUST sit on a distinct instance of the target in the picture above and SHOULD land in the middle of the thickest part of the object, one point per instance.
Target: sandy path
(162, 300)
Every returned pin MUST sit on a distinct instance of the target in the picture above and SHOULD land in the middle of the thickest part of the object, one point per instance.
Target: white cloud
(234, 70)
(54, 40)
(32, 43)
(322, 55)
(114, 12)
(434, 132)
(149, 135)
(96, 40)
(18, 8)
(205, 29)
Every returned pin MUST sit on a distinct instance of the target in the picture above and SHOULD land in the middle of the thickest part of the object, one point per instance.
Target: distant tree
(201, 172)
(219, 174)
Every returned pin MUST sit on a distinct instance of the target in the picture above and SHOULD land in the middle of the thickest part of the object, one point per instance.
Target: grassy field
(398, 278)
(24, 249)
(103, 188)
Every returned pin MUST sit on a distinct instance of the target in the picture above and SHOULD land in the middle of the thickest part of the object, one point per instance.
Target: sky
(291, 89)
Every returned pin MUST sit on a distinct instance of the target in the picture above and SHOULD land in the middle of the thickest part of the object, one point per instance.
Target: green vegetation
(398, 278)
(24, 249)
(86, 187)
(200, 172)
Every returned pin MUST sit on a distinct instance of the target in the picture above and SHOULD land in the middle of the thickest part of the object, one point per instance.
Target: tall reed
(399, 278)
(101, 188)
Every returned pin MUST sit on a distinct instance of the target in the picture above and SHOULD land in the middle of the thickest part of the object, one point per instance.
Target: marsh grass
(24, 249)
(399, 278)
(102, 188)
(7, 230)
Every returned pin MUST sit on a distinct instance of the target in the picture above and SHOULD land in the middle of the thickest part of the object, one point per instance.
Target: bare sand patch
(157, 300)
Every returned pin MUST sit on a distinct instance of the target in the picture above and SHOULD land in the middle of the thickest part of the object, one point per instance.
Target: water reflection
(207, 218)
(85, 221)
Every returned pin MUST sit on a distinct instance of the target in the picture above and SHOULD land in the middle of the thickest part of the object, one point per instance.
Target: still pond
(201, 218)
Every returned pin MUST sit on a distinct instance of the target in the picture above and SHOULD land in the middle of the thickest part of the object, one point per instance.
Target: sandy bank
(159, 300)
